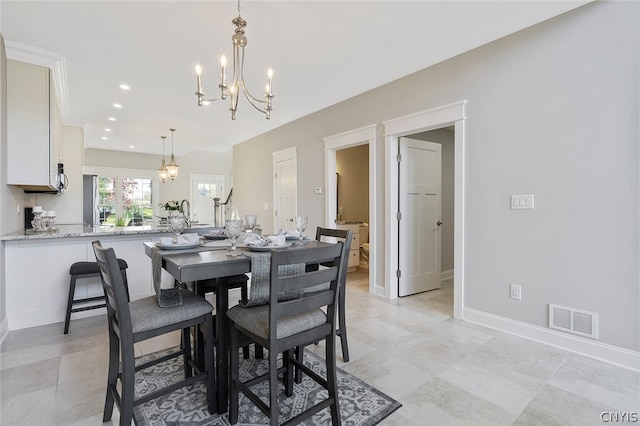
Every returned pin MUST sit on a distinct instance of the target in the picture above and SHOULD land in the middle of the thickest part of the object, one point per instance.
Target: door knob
(439, 223)
(290, 220)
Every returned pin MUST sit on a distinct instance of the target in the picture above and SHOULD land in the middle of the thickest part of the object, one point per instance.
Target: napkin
(182, 239)
(255, 240)
(276, 240)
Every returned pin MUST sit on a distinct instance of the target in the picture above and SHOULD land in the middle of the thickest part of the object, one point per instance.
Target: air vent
(574, 321)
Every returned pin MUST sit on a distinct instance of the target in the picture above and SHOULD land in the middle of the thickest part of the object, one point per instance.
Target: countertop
(79, 230)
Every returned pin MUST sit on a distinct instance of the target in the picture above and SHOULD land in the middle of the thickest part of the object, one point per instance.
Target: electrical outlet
(516, 292)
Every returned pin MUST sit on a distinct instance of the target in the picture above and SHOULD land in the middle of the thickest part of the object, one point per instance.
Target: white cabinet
(33, 126)
(37, 275)
(354, 254)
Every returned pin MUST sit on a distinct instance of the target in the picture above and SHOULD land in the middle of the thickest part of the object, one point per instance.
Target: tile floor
(443, 371)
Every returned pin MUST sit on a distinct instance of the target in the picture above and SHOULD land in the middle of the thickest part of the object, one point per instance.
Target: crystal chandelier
(163, 174)
(239, 41)
(172, 167)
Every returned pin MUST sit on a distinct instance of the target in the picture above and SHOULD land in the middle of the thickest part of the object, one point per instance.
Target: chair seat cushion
(85, 268)
(256, 320)
(147, 315)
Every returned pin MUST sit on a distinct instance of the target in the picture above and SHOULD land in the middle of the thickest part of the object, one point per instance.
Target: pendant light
(172, 167)
(163, 174)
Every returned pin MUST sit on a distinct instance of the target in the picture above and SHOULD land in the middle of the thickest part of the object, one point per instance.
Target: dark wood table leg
(198, 337)
(222, 354)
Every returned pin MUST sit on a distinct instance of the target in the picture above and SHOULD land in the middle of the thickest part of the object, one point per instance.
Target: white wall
(552, 111)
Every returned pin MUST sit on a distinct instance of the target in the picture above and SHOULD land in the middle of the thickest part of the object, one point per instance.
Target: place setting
(256, 242)
(177, 224)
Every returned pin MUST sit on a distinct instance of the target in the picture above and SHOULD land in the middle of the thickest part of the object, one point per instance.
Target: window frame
(119, 174)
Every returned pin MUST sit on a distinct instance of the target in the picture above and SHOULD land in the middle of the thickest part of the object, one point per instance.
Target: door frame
(364, 135)
(276, 157)
(431, 119)
(204, 176)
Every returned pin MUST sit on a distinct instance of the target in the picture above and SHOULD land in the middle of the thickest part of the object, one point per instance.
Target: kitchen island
(37, 269)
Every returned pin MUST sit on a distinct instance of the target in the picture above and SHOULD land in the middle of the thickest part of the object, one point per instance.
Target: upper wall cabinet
(33, 127)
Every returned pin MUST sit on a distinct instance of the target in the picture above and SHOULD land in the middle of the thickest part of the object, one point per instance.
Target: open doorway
(364, 137)
(445, 137)
(452, 115)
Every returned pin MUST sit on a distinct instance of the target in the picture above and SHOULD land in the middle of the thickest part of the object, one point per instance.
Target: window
(125, 197)
(107, 199)
(137, 201)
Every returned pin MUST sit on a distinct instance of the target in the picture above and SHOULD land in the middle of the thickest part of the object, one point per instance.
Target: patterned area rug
(360, 404)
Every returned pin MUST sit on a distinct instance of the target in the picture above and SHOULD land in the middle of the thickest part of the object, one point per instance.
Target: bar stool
(80, 270)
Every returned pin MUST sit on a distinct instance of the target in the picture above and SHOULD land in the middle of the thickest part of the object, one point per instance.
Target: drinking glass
(301, 225)
(177, 224)
(233, 230)
(250, 221)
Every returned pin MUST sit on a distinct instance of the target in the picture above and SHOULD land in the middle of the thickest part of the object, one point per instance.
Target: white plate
(177, 246)
(267, 248)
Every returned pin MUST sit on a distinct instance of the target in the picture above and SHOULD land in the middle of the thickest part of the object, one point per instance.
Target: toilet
(364, 245)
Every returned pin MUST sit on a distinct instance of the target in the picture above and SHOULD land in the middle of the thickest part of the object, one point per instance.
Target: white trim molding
(351, 138)
(431, 119)
(583, 346)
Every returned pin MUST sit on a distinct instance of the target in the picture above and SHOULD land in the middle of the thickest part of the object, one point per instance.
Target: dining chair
(142, 319)
(282, 325)
(346, 236)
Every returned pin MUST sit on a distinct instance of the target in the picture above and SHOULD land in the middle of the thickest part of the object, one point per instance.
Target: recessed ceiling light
(104, 138)
(117, 106)
(112, 119)
(107, 129)
(131, 146)
(125, 87)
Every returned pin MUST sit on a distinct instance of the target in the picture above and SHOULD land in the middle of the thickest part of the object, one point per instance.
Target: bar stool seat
(80, 270)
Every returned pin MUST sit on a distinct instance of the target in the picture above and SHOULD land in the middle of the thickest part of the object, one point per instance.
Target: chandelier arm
(252, 99)
(239, 41)
(212, 99)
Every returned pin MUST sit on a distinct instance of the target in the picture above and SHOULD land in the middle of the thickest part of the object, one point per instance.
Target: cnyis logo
(619, 416)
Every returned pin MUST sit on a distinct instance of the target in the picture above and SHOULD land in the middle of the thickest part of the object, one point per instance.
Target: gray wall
(552, 111)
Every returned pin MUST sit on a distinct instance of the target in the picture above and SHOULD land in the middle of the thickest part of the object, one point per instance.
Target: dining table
(206, 264)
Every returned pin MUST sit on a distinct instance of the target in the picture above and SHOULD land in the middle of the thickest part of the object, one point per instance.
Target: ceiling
(322, 52)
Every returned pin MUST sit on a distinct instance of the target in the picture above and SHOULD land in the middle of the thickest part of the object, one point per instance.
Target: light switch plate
(522, 202)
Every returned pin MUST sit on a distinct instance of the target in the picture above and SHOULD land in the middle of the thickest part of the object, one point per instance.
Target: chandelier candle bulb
(223, 63)
(199, 78)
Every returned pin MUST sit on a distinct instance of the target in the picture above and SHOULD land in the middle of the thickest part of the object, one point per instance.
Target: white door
(419, 224)
(204, 188)
(285, 190)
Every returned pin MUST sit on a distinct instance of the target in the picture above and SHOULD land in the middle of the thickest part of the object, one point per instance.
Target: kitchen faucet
(187, 213)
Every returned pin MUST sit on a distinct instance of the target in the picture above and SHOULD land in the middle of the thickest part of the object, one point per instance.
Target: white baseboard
(446, 275)
(589, 348)
(4, 329)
